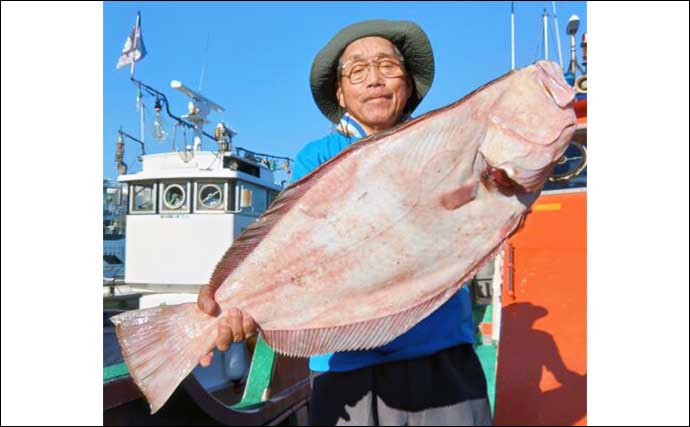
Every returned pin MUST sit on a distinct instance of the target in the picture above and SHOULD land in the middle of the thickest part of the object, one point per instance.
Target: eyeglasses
(388, 67)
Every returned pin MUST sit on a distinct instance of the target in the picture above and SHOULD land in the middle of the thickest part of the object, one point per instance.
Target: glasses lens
(390, 68)
(358, 72)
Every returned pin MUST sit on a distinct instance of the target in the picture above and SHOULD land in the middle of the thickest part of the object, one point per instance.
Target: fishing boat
(182, 211)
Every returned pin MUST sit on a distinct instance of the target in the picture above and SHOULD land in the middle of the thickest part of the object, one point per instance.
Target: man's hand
(234, 326)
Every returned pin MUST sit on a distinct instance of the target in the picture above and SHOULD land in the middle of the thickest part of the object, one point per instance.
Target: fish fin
(162, 345)
(460, 196)
(368, 334)
(357, 336)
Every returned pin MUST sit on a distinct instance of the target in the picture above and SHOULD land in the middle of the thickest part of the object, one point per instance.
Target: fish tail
(162, 345)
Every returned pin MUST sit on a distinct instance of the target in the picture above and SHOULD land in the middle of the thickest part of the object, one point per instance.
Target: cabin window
(175, 197)
(143, 198)
(210, 196)
(250, 199)
(240, 165)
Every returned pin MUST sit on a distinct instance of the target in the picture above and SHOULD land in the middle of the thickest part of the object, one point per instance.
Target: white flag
(134, 48)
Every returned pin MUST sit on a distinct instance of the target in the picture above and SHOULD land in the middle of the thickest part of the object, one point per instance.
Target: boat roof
(204, 165)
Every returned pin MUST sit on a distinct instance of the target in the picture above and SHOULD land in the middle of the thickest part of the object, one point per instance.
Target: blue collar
(350, 127)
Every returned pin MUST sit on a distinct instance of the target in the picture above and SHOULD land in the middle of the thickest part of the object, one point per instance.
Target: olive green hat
(407, 36)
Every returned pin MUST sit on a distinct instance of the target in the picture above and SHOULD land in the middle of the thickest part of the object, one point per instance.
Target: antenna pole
(203, 65)
(141, 120)
(134, 40)
(545, 20)
(558, 38)
(512, 35)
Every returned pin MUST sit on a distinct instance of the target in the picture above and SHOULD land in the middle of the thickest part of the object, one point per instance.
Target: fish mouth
(499, 179)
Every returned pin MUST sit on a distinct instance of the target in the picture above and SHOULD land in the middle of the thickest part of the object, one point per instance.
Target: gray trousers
(445, 388)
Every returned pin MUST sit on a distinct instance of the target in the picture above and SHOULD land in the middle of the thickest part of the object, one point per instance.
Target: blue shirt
(450, 325)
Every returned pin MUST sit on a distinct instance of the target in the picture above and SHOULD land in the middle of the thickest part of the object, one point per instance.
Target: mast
(545, 22)
(573, 66)
(512, 35)
(558, 37)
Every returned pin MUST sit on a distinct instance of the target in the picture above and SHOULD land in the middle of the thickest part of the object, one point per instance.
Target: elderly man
(369, 78)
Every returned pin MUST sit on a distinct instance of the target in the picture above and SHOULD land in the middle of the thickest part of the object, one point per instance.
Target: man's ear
(339, 95)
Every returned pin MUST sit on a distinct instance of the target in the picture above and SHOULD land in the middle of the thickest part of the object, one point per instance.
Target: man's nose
(374, 77)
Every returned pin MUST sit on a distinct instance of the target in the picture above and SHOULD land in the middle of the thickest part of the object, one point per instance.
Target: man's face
(377, 102)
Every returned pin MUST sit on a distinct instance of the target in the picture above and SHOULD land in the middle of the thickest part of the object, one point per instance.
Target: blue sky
(258, 57)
